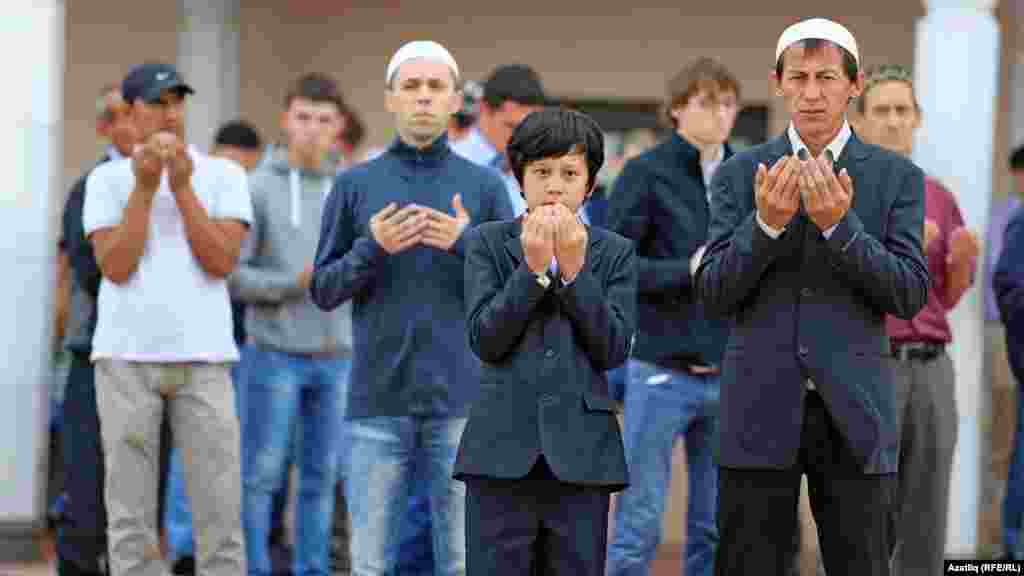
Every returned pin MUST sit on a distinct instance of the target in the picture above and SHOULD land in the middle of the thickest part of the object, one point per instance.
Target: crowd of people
(425, 349)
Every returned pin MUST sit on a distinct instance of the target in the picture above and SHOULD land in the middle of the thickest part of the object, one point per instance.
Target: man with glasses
(662, 204)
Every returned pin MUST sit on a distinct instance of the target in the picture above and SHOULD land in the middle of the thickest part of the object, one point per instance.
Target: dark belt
(922, 351)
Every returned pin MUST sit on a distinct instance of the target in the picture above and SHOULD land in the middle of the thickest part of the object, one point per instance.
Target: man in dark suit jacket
(550, 306)
(807, 258)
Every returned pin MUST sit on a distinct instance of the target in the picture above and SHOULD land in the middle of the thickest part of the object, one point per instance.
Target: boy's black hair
(240, 134)
(555, 132)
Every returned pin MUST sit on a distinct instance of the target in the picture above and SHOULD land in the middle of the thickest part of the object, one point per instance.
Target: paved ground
(666, 565)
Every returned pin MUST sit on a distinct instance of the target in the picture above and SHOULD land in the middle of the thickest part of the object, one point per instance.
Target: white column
(32, 32)
(208, 58)
(956, 73)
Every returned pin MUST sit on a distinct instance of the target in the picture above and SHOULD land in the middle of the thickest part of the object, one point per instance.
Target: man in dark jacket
(815, 237)
(82, 528)
(392, 242)
(661, 202)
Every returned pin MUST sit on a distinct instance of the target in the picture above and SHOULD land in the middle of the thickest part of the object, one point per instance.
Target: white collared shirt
(835, 147)
(708, 167)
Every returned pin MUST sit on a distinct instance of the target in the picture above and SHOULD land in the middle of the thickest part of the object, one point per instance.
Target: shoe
(184, 566)
(339, 560)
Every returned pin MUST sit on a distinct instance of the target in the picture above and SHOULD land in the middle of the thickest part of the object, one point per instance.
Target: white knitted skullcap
(420, 49)
(821, 29)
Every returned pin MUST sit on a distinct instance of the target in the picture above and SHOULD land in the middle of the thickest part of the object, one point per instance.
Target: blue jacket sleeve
(891, 272)
(739, 252)
(497, 313)
(79, 250)
(345, 264)
(629, 214)
(605, 320)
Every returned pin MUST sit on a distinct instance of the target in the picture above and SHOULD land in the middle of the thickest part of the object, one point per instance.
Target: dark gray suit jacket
(806, 307)
(544, 353)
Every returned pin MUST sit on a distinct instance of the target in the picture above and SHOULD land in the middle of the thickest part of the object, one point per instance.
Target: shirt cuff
(695, 260)
(772, 233)
(828, 233)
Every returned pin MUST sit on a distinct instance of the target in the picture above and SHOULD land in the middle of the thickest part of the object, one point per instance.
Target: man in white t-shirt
(167, 226)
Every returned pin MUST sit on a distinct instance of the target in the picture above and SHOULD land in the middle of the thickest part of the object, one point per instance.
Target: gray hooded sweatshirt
(287, 208)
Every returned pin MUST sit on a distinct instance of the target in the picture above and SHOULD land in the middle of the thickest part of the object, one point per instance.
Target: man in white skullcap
(392, 242)
(815, 237)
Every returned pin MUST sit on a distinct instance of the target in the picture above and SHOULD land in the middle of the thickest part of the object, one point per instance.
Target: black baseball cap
(148, 81)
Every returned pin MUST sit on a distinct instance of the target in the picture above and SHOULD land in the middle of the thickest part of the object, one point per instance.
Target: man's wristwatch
(544, 280)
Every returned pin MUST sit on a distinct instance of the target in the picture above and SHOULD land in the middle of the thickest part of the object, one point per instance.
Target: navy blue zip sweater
(660, 202)
(411, 356)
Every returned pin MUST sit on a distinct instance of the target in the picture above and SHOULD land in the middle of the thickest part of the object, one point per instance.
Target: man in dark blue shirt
(392, 242)
(662, 204)
(82, 527)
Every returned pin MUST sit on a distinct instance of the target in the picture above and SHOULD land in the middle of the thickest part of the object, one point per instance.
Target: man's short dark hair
(850, 67)
(1017, 159)
(316, 87)
(239, 134)
(553, 133)
(516, 83)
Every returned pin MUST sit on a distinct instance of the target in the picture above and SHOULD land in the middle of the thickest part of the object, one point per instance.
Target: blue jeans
(389, 457)
(416, 544)
(662, 405)
(277, 388)
(1013, 502)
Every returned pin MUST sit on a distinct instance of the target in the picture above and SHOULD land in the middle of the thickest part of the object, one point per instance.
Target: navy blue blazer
(544, 354)
(806, 307)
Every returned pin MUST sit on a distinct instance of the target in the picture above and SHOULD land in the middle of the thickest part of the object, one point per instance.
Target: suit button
(548, 399)
(549, 353)
(806, 292)
(803, 351)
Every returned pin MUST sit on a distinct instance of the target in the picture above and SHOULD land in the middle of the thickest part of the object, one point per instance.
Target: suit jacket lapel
(513, 246)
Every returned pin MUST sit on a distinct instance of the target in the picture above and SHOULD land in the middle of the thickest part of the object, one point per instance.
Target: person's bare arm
(960, 264)
(216, 243)
(119, 248)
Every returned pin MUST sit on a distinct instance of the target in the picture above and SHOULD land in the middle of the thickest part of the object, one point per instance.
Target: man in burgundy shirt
(888, 115)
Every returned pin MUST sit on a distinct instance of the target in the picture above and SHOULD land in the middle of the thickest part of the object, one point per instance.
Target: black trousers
(82, 535)
(536, 525)
(757, 509)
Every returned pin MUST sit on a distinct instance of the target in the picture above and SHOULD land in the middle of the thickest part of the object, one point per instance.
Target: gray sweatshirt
(287, 207)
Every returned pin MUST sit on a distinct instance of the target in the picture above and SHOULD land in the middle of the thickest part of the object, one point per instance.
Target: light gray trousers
(200, 400)
(926, 405)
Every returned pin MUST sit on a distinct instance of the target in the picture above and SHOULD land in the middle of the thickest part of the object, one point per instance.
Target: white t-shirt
(169, 310)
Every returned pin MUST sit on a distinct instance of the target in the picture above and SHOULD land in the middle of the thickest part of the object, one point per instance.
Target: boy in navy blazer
(551, 307)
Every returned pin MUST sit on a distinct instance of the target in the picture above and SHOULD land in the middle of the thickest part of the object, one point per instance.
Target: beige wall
(581, 48)
(104, 38)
